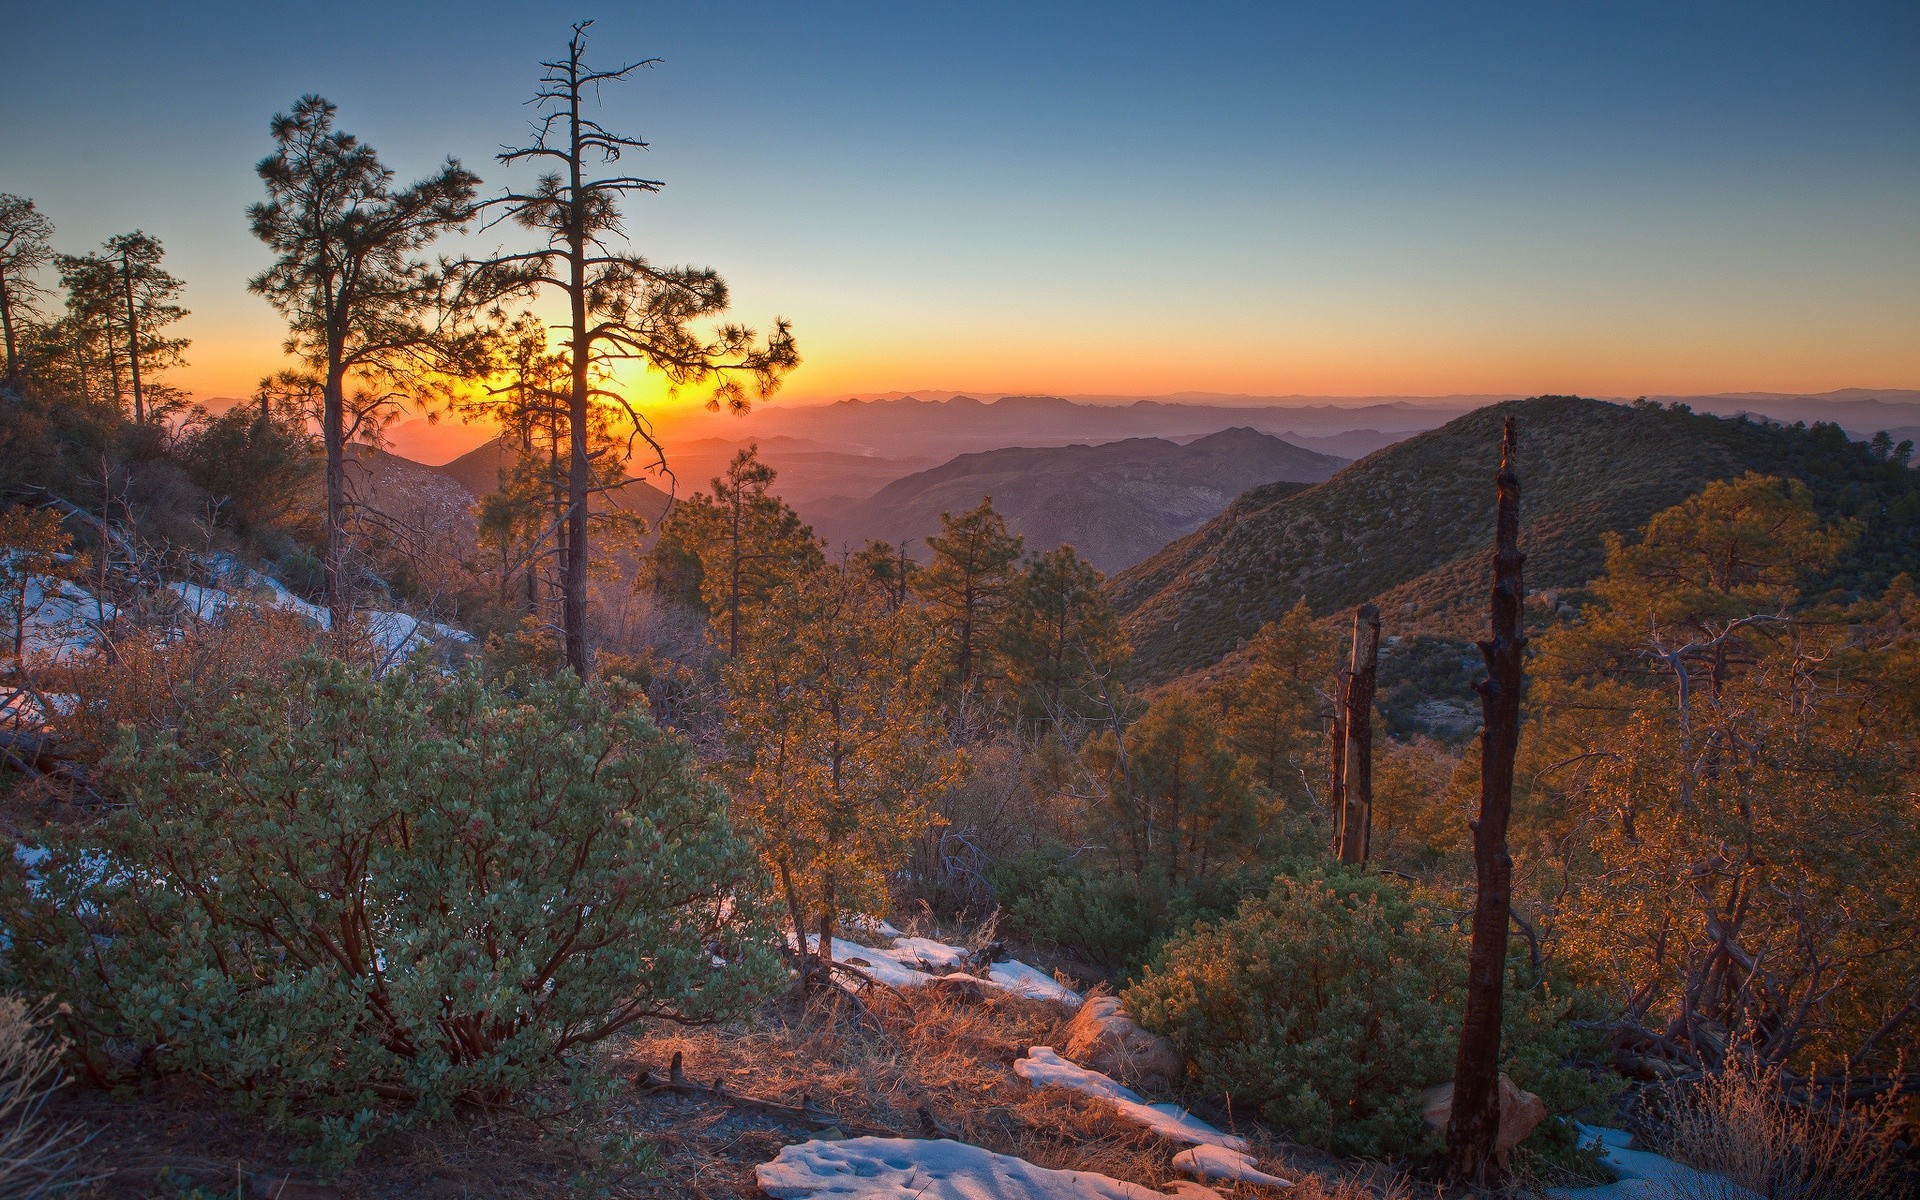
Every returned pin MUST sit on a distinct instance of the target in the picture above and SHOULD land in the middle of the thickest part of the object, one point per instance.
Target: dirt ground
(926, 1064)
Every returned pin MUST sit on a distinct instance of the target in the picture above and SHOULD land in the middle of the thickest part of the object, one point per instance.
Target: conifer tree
(25, 237)
(836, 746)
(967, 585)
(1179, 800)
(620, 305)
(1275, 708)
(1060, 638)
(889, 566)
(147, 294)
(742, 542)
(362, 306)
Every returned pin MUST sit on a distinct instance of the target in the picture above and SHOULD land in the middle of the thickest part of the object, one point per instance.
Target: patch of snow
(1044, 1068)
(201, 603)
(1645, 1175)
(914, 962)
(926, 954)
(1218, 1162)
(871, 1168)
(1030, 982)
(63, 619)
(24, 709)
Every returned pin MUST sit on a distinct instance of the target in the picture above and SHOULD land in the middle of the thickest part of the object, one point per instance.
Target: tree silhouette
(619, 305)
(360, 303)
(24, 236)
(147, 292)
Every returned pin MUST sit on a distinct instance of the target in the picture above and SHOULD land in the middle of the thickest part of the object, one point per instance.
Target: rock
(1520, 1112)
(1103, 1037)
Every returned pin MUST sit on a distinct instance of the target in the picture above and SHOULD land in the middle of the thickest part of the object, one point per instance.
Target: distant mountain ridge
(1409, 526)
(478, 470)
(1115, 502)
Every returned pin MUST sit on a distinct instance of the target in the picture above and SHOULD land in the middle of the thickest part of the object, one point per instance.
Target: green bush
(358, 901)
(1105, 917)
(1331, 1004)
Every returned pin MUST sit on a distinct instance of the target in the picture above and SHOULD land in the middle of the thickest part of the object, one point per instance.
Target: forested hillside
(1406, 527)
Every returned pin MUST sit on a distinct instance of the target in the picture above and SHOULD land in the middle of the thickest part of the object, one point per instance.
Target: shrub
(332, 888)
(1331, 1004)
(1734, 1122)
(1100, 916)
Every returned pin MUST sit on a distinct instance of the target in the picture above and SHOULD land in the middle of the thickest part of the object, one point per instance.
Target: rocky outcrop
(1103, 1037)
(1520, 1112)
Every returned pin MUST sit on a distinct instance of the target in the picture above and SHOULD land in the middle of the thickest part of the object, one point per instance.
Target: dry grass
(1734, 1124)
(39, 1156)
(875, 1067)
(879, 1068)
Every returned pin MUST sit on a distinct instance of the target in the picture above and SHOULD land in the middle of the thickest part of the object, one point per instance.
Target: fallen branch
(805, 1113)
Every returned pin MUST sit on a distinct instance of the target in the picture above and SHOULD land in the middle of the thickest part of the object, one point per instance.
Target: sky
(1272, 199)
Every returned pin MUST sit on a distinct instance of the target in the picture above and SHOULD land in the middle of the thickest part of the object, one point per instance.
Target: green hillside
(1409, 526)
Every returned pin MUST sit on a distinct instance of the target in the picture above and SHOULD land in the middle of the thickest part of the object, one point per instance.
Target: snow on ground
(201, 603)
(1030, 982)
(1645, 1175)
(872, 1168)
(1218, 1162)
(927, 954)
(914, 962)
(1044, 1068)
(63, 619)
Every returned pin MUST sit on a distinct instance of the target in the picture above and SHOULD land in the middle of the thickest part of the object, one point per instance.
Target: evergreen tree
(836, 745)
(1060, 640)
(360, 303)
(147, 292)
(889, 566)
(739, 546)
(1275, 708)
(25, 236)
(1179, 801)
(968, 585)
(620, 306)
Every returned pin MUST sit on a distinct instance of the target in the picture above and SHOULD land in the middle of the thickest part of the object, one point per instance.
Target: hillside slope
(478, 470)
(1409, 526)
(1114, 503)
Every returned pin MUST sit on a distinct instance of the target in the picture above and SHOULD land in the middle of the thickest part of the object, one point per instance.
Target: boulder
(1520, 1112)
(1104, 1038)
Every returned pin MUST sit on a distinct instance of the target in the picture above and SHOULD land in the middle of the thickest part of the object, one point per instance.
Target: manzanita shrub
(1333, 1001)
(360, 900)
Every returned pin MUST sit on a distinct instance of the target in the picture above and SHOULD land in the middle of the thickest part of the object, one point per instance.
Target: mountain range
(1115, 503)
(1409, 527)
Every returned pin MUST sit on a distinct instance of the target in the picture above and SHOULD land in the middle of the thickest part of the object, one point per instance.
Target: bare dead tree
(1475, 1121)
(1353, 819)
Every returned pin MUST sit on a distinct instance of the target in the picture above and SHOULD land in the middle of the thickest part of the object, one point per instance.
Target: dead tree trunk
(1353, 819)
(1475, 1121)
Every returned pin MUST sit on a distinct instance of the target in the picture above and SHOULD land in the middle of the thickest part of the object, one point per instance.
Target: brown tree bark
(133, 340)
(1475, 1121)
(1353, 819)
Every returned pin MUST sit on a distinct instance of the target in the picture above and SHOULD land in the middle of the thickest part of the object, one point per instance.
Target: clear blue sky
(1360, 198)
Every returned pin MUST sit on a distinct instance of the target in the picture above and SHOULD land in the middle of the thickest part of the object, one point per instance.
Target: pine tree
(967, 585)
(742, 543)
(1275, 708)
(620, 306)
(25, 236)
(147, 292)
(1060, 640)
(360, 303)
